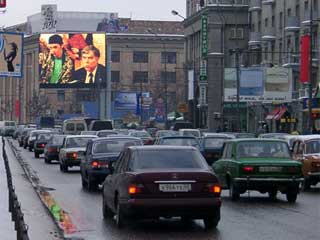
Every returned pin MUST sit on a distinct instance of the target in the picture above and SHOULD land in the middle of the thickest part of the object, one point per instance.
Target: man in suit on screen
(91, 72)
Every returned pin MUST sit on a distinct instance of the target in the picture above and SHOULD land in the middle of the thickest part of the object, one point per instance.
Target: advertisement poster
(11, 54)
(72, 60)
(265, 85)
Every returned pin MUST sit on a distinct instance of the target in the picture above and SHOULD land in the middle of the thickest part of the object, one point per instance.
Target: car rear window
(191, 133)
(106, 134)
(263, 149)
(114, 146)
(167, 159)
(80, 127)
(57, 140)
(70, 127)
(180, 142)
(77, 142)
(44, 137)
(214, 142)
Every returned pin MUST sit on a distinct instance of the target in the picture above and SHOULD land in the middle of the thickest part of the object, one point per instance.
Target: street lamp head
(174, 12)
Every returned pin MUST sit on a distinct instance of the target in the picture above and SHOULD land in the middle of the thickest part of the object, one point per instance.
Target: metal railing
(14, 205)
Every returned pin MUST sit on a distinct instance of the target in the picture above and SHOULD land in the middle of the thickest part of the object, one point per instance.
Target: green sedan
(264, 165)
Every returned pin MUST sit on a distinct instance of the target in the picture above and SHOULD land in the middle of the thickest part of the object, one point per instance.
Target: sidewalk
(40, 224)
(7, 231)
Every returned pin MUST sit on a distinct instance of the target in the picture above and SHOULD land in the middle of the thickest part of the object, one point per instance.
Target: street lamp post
(194, 105)
(165, 77)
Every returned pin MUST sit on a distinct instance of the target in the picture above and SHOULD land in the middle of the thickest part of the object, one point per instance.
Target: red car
(148, 182)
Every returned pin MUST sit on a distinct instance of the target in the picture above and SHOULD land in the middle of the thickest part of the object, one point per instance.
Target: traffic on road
(182, 184)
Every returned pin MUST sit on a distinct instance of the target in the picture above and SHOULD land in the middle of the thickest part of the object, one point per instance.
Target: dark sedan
(212, 147)
(100, 153)
(40, 143)
(51, 151)
(149, 182)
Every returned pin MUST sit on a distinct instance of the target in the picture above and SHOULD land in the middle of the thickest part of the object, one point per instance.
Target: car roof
(161, 147)
(182, 137)
(237, 140)
(115, 138)
(307, 137)
(81, 136)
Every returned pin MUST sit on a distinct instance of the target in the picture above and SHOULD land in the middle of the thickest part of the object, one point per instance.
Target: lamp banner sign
(204, 36)
(11, 54)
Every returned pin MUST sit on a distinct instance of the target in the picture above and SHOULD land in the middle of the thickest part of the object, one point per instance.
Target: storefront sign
(204, 36)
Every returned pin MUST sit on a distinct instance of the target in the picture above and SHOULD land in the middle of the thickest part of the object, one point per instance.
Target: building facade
(275, 35)
(146, 56)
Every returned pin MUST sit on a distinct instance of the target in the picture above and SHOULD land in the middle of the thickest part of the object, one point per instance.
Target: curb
(60, 217)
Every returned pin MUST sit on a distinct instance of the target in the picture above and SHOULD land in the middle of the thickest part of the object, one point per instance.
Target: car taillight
(99, 164)
(135, 189)
(72, 155)
(41, 145)
(248, 169)
(214, 188)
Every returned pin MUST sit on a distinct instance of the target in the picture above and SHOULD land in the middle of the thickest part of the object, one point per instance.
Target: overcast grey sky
(19, 10)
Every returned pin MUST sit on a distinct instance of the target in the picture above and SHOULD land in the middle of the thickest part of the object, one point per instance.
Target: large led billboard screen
(11, 52)
(72, 60)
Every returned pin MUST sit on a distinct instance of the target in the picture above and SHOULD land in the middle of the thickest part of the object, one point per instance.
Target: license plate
(270, 169)
(175, 187)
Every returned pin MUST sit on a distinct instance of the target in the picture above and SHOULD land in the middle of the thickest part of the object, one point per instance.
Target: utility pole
(310, 122)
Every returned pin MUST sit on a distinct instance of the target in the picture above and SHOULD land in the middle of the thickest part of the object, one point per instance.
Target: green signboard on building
(204, 36)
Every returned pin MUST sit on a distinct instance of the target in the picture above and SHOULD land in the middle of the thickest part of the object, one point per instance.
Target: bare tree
(38, 105)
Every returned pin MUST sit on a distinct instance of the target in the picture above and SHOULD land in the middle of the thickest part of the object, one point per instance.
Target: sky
(17, 11)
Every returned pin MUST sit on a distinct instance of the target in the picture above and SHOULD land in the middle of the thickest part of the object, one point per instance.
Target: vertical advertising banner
(72, 60)
(49, 18)
(11, 54)
(305, 59)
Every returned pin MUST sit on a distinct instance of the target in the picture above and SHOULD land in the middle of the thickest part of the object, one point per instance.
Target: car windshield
(114, 146)
(77, 142)
(180, 142)
(263, 149)
(313, 146)
(167, 159)
(214, 142)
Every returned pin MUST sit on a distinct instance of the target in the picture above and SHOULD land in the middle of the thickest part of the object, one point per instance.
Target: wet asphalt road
(252, 217)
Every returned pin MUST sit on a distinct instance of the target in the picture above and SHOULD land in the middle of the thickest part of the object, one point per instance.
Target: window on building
(115, 76)
(170, 77)
(272, 21)
(60, 96)
(259, 26)
(281, 20)
(306, 6)
(140, 57)
(236, 33)
(169, 57)
(115, 56)
(139, 77)
(266, 22)
(280, 51)
(289, 12)
(298, 10)
(60, 111)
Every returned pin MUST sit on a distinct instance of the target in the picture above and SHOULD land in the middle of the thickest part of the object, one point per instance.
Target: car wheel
(92, 185)
(30, 149)
(36, 155)
(210, 223)
(233, 192)
(273, 194)
(63, 167)
(83, 182)
(292, 197)
(306, 184)
(106, 211)
(20, 144)
(24, 146)
(119, 215)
